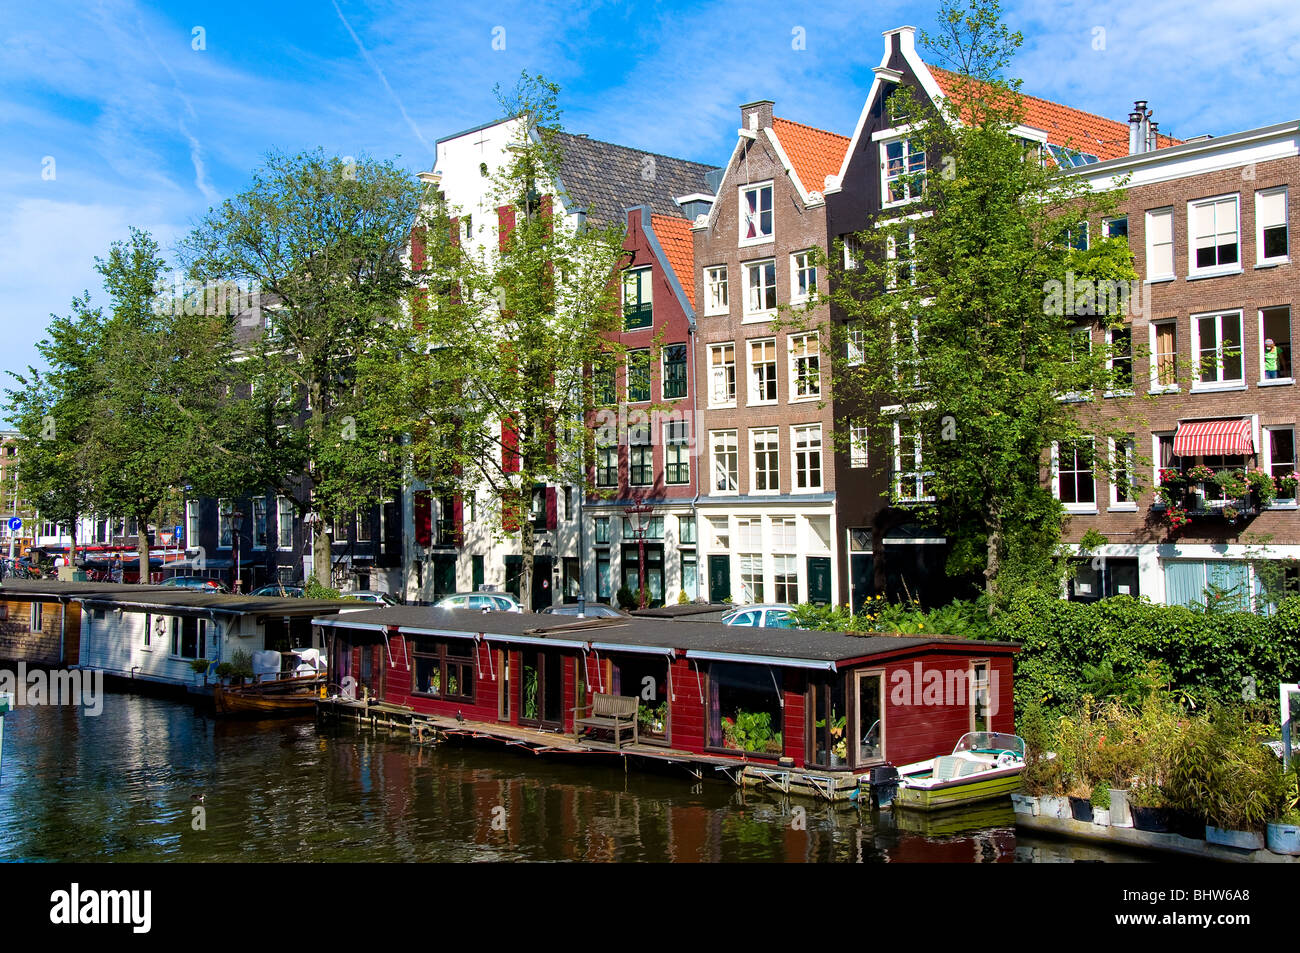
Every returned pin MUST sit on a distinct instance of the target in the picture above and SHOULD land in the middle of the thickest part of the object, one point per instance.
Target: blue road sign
(15, 524)
(180, 532)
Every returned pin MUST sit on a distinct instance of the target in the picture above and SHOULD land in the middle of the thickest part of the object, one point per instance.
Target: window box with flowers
(1286, 485)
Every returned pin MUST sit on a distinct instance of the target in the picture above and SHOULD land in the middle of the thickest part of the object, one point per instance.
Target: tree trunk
(993, 563)
(72, 535)
(320, 543)
(527, 545)
(142, 547)
(320, 553)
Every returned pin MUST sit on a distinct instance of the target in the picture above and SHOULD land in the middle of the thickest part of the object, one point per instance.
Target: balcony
(637, 316)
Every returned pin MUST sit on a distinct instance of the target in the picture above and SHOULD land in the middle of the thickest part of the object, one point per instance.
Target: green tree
(323, 242)
(957, 331)
(501, 336)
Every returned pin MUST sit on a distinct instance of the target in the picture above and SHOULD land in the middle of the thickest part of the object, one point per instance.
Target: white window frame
(885, 202)
(759, 266)
(1056, 477)
(1110, 360)
(1266, 457)
(1153, 383)
(1151, 215)
(1105, 225)
(774, 482)
(1078, 330)
(1276, 381)
(1130, 466)
(716, 295)
(645, 291)
(1156, 436)
(633, 355)
(802, 267)
(891, 258)
(603, 471)
(191, 523)
(796, 381)
(854, 345)
(916, 471)
(1260, 260)
(791, 577)
(717, 371)
(752, 378)
(1220, 382)
(801, 470)
(742, 210)
(283, 506)
(677, 434)
(733, 451)
(266, 532)
(225, 523)
(1211, 271)
(858, 446)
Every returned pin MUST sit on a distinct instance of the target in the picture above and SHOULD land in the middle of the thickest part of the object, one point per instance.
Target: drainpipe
(695, 433)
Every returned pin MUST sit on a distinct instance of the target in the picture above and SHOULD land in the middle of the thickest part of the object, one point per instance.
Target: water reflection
(151, 779)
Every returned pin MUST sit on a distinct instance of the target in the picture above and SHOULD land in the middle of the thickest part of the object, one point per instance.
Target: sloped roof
(814, 153)
(1066, 126)
(605, 178)
(674, 236)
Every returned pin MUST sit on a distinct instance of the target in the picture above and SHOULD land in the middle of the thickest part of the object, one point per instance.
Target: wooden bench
(616, 713)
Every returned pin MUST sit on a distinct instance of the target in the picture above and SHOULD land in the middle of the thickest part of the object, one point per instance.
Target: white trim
(1260, 260)
(1213, 271)
(753, 433)
(1220, 383)
(751, 381)
(1156, 276)
(741, 241)
(820, 450)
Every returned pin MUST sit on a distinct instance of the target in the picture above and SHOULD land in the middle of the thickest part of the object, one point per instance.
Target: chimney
(1141, 131)
(757, 115)
(1153, 143)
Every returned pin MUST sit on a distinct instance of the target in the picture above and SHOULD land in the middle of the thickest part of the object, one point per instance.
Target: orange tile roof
(814, 153)
(1066, 126)
(674, 236)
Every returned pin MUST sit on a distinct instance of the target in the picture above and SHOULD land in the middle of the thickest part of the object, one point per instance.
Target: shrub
(314, 589)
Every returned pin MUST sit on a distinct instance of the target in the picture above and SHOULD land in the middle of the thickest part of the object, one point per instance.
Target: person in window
(1270, 359)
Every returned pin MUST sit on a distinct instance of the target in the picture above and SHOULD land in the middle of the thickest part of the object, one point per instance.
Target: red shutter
(423, 519)
(418, 237)
(546, 213)
(458, 520)
(505, 225)
(552, 509)
(509, 448)
(509, 514)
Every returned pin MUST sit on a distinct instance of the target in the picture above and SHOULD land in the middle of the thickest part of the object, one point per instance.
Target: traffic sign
(15, 524)
(180, 532)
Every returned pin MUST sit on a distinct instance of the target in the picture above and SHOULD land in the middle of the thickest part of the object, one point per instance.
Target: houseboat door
(869, 717)
(541, 688)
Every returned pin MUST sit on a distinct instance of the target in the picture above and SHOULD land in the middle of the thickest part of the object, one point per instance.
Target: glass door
(869, 717)
(541, 688)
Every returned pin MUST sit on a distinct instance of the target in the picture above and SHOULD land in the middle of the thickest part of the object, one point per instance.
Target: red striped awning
(1200, 438)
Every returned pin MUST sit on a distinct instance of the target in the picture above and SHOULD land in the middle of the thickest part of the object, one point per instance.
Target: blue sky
(139, 128)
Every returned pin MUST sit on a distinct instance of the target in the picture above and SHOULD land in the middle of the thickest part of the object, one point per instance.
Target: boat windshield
(990, 742)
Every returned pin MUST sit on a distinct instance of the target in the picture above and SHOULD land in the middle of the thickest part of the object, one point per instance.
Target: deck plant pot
(1081, 808)
(1120, 816)
(1051, 805)
(1187, 824)
(1284, 838)
(1101, 816)
(1152, 819)
(1242, 840)
(1025, 804)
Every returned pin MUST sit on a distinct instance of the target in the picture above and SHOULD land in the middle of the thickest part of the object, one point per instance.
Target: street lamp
(236, 522)
(638, 516)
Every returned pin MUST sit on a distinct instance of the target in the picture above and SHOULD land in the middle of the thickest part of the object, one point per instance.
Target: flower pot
(1049, 805)
(1284, 838)
(1187, 824)
(1243, 840)
(1025, 804)
(1153, 819)
(1101, 816)
(1081, 808)
(1119, 811)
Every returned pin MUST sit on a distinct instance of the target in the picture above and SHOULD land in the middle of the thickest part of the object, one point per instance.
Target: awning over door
(1198, 438)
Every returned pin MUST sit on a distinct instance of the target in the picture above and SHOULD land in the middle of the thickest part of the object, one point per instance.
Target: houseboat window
(444, 670)
(188, 637)
(979, 696)
(645, 677)
(870, 732)
(830, 729)
(745, 709)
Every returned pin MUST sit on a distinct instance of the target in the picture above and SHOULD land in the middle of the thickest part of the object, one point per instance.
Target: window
(1162, 456)
(900, 262)
(906, 332)
(443, 670)
(677, 453)
(189, 637)
(751, 577)
(726, 461)
(755, 214)
(1122, 474)
(191, 523)
(225, 511)
(1072, 474)
(1279, 447)
(1212, 224)
(807, 457)
(607, 466)
(979, 696)
(760, 285)
(690, 574)
(745, 695)
(785, 579)
(1216, 347)
(1164, 355)
(638, 375)
(852, 252)
(674, 371)
(715, 290)
(1076, 236)
(686, 529)
(784, 533)
(722, 374)
(36, 620)
(363, 524)
(604, 388)
(805, 367)
(1115, 227)
(638, 311)
(909, 472)
(762, 371)
(603, 577)
(764, 466)
(903, 168)
(601, 529)
(1271, 243)
(803, 276)
(284, 522)
(1119, 360)
(259, 523)
(1275, 344)
(856, 339)
(640, 456)
(1160, 244)
(858, 446)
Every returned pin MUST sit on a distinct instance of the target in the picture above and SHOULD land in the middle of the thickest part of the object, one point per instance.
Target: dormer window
(903, 171)
(755, 214)
(638, 310)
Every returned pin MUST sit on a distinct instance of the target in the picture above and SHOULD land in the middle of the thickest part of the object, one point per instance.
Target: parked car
(593, 610)
(195, 582)
(484, 601)
(774, 615)
(368, 595)
(288, 592)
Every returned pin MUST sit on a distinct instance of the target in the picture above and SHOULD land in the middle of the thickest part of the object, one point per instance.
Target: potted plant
(1286, 484)
(1149, 807)
(1101, 801)
(200, 667)
(1262, 485)
(1283, 831)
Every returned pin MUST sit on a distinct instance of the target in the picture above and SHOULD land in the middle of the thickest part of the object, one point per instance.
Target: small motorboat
(983, 765)
(282, 696)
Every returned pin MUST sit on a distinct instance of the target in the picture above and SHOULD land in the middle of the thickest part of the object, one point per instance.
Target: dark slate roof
(605, 179)
(182, 600)
(689, 612)
(644, 632)
(21, 588)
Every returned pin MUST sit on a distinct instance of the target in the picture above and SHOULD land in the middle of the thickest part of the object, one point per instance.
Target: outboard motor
(883, 781)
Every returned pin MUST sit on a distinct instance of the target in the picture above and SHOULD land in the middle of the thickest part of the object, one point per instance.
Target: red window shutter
(552, 509)
(509, 514)
(546, 213)
(458, 520)
(505, 225)
(423, 519)
(455, 231)
(418, 237)
(509, 448)
(419, 307)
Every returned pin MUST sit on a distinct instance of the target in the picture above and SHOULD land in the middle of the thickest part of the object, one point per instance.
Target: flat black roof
(16, 588)
(649, 633)
(125, 595)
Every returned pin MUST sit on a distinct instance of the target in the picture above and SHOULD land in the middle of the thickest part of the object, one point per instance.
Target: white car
(483, 601)
(775, 615)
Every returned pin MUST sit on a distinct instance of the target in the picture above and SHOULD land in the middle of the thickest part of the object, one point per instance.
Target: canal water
(154, 780)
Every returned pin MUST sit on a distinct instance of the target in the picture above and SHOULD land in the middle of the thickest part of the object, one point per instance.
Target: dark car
(288, 592)
(593, 610)
(195, 582)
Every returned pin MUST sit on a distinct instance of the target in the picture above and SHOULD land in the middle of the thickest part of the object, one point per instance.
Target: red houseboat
(801, 710)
